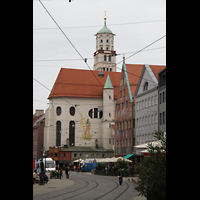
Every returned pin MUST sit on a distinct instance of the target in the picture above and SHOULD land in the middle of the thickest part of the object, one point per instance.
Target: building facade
(146, 111)
(38, 132)
(162, 100)
(125, 110)
(147, 104)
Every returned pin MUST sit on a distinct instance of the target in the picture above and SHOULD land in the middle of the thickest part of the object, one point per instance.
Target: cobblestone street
(81, 186)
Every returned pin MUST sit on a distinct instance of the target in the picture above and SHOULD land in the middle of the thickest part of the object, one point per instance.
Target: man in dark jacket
(67, 172)
(120, 176)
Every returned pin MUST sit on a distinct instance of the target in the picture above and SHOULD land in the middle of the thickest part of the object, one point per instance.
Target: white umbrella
(124, 159)
(104, 160)
(79, 160)
(116, 159)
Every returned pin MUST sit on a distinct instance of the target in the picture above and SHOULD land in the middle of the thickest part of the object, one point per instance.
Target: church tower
(105, 56)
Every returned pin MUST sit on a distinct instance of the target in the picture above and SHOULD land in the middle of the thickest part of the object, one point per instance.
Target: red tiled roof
(134, 73)
(82, 83)
(156, 69)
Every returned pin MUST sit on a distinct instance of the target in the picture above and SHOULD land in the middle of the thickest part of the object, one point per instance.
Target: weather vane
(105, 15)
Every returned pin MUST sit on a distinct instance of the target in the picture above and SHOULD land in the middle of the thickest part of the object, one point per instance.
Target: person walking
(60, 172)
(67, 172)
(78, 168)
(120, 176)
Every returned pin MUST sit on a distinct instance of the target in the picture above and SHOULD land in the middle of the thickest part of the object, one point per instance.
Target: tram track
(93, 187)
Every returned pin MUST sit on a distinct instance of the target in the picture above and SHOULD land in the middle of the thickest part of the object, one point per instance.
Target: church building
(81, 114)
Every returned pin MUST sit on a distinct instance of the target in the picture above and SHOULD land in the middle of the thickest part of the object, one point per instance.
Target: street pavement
(82, 185)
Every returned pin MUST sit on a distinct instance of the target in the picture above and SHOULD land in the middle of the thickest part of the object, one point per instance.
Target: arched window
(96, 143)
(145, 86)
(58, 133)
(71, 133)
(72, 111)
(58, 110)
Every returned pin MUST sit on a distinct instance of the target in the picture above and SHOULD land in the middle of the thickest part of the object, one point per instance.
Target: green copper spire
(105, 29)
(108, 84)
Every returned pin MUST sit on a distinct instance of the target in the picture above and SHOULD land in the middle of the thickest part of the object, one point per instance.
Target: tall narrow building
(105, 55)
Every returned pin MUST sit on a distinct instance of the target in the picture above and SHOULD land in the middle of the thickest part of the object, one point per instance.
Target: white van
(50, 164)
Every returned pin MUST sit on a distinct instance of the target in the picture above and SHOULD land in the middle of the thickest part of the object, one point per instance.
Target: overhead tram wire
(101, 25)
(139, 52)
(52, 91)
(71, 59)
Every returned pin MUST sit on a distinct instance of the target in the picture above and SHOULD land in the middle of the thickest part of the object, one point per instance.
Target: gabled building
(146, 111)
(125, 110)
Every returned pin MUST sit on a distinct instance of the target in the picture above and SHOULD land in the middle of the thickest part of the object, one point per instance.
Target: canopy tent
(128, 156)
(154, 144)
(79, 160)
(122, 159)
(114, 159)
(104, 160)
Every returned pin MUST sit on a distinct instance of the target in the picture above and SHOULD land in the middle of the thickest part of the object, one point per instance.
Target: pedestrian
(78, 169)
(120, 176)
(60, 172)
(67, 172)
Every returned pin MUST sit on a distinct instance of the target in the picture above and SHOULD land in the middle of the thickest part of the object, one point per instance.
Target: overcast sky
(123, 17)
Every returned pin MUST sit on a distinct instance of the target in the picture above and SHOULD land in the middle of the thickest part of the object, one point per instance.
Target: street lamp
(42, 166)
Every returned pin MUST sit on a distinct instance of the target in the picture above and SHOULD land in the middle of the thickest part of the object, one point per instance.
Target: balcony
(104, 51)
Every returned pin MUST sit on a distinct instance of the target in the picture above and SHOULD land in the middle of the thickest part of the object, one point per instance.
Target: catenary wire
(69, 59)
(101, 25)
